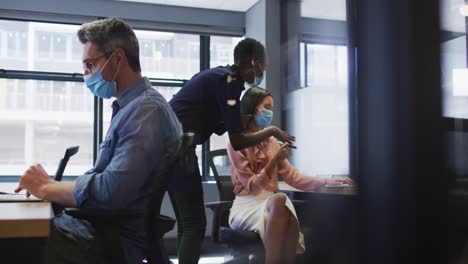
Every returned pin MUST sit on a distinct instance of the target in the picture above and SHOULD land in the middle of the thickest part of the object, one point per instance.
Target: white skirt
(249, 212)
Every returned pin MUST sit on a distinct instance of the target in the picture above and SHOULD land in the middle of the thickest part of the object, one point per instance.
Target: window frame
(306, 58)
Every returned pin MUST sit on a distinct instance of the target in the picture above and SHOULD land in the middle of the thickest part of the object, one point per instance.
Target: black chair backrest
(59, 173)
(161, 177)
(222, 173)
(63, 162)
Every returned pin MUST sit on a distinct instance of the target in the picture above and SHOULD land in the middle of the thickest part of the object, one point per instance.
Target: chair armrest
(219, 208)
(109, 217)
(239, 237)
(218, 204)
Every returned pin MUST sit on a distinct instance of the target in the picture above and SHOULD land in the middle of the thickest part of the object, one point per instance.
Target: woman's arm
(289, 174)
(297, 180)
(250, 180)
(271, 169)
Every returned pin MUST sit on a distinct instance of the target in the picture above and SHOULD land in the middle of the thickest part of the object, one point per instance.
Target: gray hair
(110, 34)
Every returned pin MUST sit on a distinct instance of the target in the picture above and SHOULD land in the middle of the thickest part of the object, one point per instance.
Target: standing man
(210, 103)
(143, 130)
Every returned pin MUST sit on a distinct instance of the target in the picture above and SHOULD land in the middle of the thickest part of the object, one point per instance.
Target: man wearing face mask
(210, 103)
(142, 132)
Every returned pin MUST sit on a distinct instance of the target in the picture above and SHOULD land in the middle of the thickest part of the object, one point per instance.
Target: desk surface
(352, 190)
(23, 219)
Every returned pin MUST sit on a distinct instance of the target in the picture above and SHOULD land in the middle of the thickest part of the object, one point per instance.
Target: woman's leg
(291, 239)
(192, 222)
(276, 228)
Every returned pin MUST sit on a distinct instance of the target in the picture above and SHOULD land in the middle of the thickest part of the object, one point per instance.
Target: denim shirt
(140, 134)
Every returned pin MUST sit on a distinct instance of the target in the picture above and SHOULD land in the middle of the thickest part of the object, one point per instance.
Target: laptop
(21, 197)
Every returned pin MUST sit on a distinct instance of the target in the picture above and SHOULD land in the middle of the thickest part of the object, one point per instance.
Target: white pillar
(262, 22)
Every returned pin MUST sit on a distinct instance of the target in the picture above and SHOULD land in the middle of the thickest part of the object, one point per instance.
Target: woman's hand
(283, 152)
(338, 181)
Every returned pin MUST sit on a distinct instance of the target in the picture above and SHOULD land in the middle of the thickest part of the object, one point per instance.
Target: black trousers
(66, 248)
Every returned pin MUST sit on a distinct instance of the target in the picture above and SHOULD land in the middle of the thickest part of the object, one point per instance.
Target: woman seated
(258, 206)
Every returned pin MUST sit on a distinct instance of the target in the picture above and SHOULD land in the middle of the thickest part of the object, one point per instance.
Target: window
(33, 46)
(454, 77)
(318, 114)
(39, 119)
(323, 65)
(222, 50)
(168, 55)
(454, 80)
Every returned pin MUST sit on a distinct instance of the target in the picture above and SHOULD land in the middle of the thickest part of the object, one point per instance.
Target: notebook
(18, 197)
(342, 185)
(21, 197)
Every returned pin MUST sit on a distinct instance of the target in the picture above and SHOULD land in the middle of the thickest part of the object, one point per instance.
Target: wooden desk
(330, 215)
(352, 190)
(24, 219)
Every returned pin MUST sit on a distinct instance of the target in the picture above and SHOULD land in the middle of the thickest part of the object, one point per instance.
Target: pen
(291, 146)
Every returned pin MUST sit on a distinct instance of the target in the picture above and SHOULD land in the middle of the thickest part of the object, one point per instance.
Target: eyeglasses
(90, 64)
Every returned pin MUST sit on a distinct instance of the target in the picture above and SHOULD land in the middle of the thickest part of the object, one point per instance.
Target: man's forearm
(60, 192)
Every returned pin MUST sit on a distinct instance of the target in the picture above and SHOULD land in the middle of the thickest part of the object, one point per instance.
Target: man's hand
(283, 136)
(34, 180)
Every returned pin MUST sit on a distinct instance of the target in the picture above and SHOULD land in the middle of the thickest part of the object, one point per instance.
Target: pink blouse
(248, 170)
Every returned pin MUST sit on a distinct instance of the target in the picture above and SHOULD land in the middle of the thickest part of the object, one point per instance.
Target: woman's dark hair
(251, 99)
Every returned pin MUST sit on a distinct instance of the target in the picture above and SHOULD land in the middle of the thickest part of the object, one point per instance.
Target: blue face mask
(100, 87)
(264, 118)
(258, 79)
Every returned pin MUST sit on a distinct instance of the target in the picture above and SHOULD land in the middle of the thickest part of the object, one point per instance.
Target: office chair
(107, 222)
(246, 246)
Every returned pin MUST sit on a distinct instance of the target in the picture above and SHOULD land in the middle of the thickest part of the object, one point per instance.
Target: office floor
(212, 253)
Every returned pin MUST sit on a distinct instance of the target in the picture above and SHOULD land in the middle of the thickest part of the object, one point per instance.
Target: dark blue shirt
(142, 132)
(210, 103)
